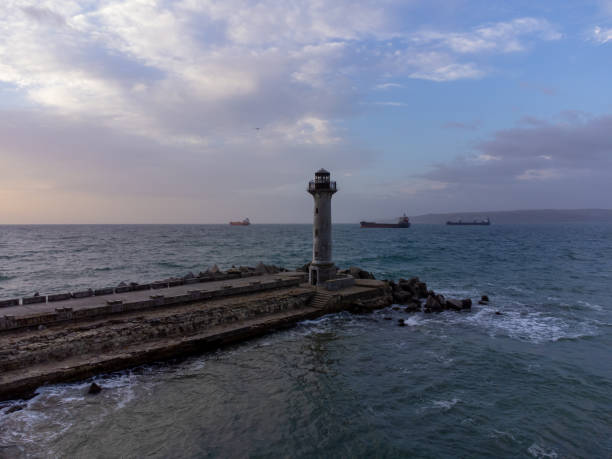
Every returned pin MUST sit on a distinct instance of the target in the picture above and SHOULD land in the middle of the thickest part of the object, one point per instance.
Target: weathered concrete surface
(30, 357)
(85, 307)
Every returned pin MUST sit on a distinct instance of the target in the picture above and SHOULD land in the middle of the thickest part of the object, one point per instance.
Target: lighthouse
(322, 267)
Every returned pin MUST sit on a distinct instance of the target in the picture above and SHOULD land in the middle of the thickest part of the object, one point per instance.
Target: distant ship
(402, 222)
(245, 222)
(485, 222)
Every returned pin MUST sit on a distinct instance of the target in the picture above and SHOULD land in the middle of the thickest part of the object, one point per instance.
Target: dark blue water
(535, 381)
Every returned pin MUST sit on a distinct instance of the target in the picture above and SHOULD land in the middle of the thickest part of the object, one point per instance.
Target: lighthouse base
(321, 273)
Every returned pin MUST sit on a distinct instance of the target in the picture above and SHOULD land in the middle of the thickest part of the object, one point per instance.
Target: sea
(527, 376)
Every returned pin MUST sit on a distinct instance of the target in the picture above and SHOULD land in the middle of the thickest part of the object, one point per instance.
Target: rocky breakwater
(414, 294)
(172, 318)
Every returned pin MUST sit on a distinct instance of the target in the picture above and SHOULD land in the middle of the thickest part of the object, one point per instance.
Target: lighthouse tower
(322, 267)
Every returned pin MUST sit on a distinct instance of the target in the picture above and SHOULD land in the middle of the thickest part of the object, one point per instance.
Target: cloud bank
(195, 110)
(569, 159)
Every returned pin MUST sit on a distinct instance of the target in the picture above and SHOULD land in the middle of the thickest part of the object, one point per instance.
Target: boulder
(401, 297)
(406, 285)
(413, 307)
(366, 275)
(414, 286)
(401, 323)
(261, 268)
(466, 303)
(435, 303)
(453, 304)
(94, 389)
(214, 270)
(421, 289)
(484, 299)
(189, 275)
(359, 273)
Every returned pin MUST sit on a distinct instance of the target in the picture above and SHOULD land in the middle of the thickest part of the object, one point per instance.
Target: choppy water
(535, 381)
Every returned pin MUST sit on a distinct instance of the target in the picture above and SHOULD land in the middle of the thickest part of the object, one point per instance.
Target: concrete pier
(73, 339)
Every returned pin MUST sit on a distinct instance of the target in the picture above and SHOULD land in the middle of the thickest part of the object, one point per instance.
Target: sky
(197, 111)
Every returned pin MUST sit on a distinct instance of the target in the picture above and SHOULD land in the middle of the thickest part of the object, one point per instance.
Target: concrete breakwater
(81, 336)
(76, 338)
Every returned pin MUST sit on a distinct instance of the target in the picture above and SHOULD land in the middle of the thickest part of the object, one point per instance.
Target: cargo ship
(245, 222)
(485, 222)
(402, 222)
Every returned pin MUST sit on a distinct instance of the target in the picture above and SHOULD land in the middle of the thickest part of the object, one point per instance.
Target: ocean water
(533, 381)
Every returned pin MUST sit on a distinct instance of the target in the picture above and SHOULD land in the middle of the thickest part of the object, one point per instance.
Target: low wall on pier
(157, 299)
(133, 287)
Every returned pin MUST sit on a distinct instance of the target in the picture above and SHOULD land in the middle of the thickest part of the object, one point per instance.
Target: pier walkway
(26, 315)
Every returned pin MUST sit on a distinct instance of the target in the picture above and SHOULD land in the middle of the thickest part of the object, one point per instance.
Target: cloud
(601, 36)
(540, 174)
(44, 16)
(80, 171)
(569, 160)
(439, 56)
(436, 66)
(504, 37)
(388, 86)
(162, 101)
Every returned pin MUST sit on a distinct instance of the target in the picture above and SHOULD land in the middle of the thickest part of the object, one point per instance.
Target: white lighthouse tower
(322, 267)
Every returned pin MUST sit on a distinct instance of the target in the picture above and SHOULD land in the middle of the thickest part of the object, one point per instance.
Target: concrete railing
(122, 289)
(116, 306)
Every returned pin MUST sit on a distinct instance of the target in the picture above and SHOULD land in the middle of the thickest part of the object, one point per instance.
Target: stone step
(321, 299)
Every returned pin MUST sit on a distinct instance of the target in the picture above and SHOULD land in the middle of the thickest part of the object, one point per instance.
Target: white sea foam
(540, 452)
(51, 413)
(519, 322)
(414, 321)
(445, 404)
(595, 307)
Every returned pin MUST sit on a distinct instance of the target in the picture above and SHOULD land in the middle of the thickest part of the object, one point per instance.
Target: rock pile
(412, 292)
(268, 269)
(357, 273)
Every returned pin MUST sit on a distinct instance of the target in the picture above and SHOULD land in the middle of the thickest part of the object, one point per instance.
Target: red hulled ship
(245, 222)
